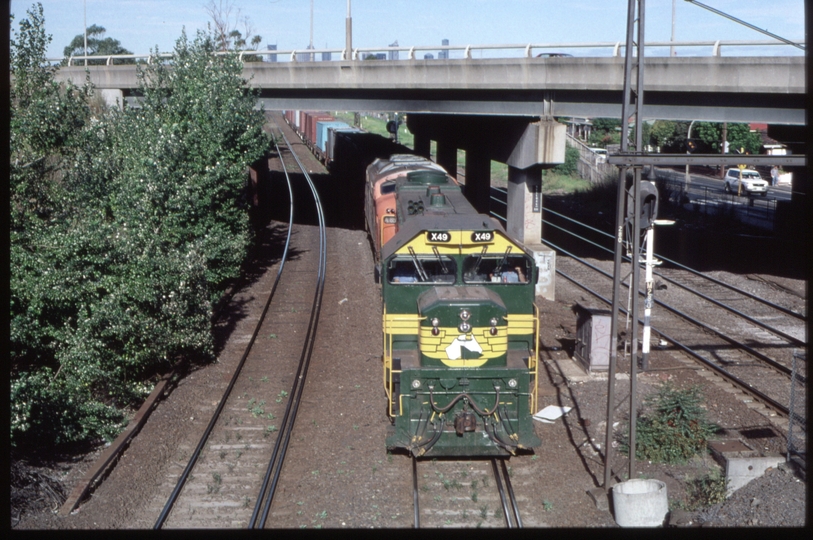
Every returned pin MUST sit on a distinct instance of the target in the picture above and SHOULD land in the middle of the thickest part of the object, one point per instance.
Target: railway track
(733, 332)
(233, 473)
(474, 491)
(729, 328)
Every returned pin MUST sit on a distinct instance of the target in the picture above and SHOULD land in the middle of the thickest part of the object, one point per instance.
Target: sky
(143, 25)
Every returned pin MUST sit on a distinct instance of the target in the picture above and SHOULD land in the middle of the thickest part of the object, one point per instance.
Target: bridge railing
(529, 50)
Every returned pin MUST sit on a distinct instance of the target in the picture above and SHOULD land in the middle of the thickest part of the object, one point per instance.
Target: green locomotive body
(459, 324)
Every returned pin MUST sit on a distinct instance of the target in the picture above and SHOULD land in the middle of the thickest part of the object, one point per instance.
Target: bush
(706, 490)
(674, 429)
(125, 227)
(571, 165)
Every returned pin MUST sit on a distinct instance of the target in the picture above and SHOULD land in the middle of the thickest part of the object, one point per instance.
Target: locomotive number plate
(482, 236)
(438, 236)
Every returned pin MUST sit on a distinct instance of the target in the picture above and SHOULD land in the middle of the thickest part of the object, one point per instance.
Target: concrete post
(524, 214)
(447, 158)
(423, 145)
(478, 179)
(524, 222)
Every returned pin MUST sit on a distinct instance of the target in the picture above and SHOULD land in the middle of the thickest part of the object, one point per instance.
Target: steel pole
(636, 239)
(85, 5)
(650, 248)
(348, 33)
(672, 47)
(688, 177)
(619, 247)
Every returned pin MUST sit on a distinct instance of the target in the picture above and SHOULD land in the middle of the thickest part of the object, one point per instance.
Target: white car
(601, 154)
(752, 182)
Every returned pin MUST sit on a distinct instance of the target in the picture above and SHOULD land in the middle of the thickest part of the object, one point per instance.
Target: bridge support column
(423, 145)
(112, 97)
(478, 179)
(447, 158)
(524, 222)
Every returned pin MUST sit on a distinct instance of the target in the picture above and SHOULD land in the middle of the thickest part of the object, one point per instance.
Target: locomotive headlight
(512, 383)
(416, 384)
(464, 328)
(435, 329)
(465, 315)
(493, 329)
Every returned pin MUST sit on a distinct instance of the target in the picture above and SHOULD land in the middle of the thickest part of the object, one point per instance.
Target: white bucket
(640, 503)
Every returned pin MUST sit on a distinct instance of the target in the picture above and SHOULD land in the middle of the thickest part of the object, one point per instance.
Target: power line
(751, 26)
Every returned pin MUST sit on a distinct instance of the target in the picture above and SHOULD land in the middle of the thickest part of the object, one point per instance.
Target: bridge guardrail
(526, 50)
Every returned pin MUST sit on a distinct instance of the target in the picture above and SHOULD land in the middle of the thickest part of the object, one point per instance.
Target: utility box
(592, 349)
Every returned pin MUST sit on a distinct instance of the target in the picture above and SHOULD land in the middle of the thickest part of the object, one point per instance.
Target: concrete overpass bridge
(768, 90)
(502, 109)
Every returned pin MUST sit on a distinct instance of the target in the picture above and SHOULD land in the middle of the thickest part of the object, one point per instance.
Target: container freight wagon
(330, 146)
(309, 131)
(322, 129)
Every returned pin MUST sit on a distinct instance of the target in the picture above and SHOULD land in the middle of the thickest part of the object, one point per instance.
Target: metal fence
(592, 166)
(714, 201)
(465, 52)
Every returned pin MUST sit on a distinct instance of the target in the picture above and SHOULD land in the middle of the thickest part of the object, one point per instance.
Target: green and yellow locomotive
(459, 323)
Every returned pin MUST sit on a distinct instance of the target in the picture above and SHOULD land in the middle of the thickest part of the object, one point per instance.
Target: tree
(605, 131)
(739, 136)
(124, 230)
(665, 134)
(97, 46)
(225, 23)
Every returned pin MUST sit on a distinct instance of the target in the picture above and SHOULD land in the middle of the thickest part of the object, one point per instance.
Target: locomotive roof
(402, 162)
(417, 224)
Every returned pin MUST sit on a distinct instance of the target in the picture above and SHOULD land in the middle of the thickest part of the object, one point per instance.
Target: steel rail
(196, 454)
(507, 513)
(415, 503)
(742, 385)
(688, 269)
(510, 489)
(268, 490)
(750, 350)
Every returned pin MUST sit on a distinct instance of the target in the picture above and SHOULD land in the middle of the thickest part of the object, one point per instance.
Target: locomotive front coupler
(465, 420)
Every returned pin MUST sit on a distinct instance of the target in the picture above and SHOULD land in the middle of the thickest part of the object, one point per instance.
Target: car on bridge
(752, 182)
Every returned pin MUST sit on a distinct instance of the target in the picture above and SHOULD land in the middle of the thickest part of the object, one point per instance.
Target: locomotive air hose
(458, 398)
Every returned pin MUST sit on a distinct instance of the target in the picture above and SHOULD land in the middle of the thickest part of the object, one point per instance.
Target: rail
(526, 50)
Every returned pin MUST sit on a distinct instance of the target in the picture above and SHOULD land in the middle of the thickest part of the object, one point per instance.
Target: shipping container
(321, 135)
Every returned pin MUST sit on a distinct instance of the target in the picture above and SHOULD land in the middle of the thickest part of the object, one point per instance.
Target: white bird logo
(454, 351)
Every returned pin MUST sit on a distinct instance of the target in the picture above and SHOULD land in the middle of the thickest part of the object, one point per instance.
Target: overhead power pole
(348, 31)
(631, 225)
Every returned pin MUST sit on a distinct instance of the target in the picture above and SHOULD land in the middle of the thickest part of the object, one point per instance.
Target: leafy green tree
(125, 228)
(738, 136)
(49, 282)
(605, 131)
(663, 133)
(97, 45)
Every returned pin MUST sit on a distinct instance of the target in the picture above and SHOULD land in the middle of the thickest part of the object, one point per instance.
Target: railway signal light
(649, 205)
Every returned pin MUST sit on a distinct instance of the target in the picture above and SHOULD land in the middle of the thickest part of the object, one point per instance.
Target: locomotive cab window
(388, 187)
(496, 268)
(422, 269)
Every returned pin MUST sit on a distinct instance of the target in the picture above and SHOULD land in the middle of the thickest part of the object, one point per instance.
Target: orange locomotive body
(380, 193)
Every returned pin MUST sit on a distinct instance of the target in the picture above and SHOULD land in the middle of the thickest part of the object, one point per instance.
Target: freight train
(460, 359)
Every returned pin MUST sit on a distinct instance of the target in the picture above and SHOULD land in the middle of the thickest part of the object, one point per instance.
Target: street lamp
(687, 177)
(348, 31)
